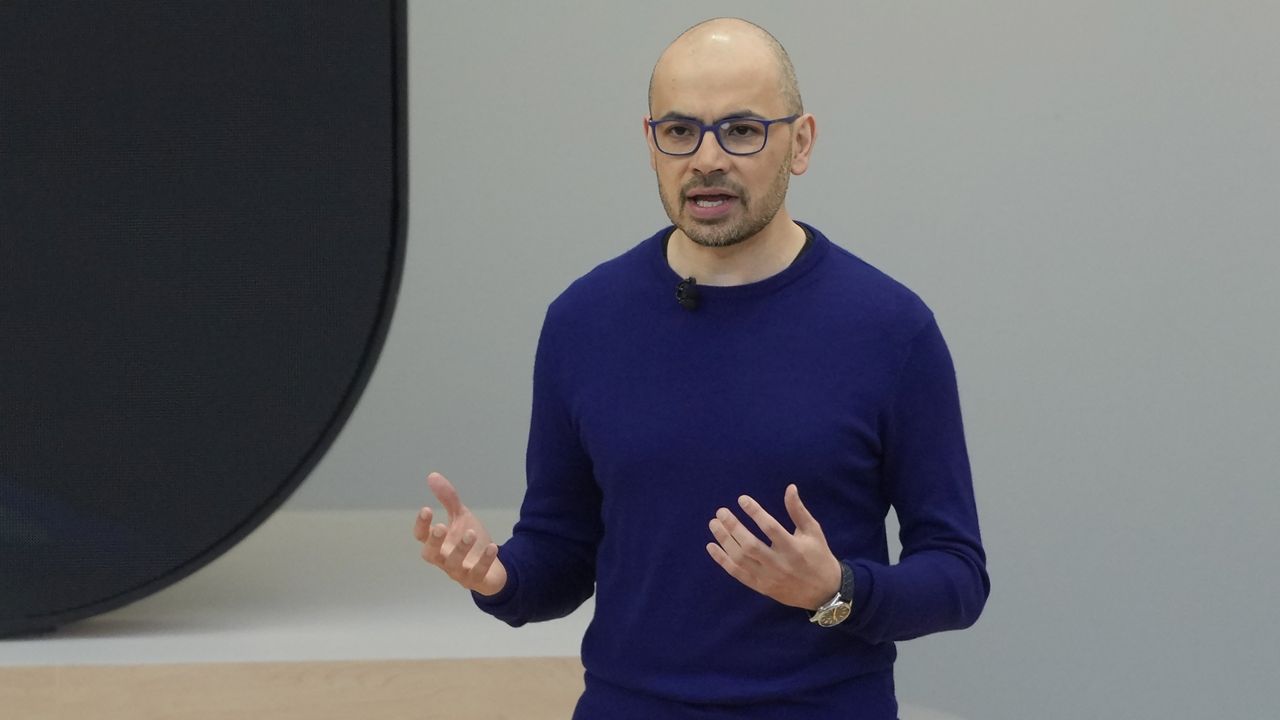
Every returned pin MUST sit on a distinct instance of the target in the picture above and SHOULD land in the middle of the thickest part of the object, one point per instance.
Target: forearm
(927, 592)
(550, 558)
(941, 581)
(548, 577)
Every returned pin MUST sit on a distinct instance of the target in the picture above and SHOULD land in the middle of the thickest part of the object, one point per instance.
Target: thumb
(800, 514)
(446, 494)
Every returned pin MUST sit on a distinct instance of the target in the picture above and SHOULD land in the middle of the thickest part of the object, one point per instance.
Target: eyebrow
(745, 113)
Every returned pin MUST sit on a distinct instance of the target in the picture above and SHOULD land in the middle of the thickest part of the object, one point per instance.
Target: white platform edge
(307, 585)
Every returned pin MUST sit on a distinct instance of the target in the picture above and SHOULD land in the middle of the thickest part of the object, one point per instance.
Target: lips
(710, 194)
(710, 203)
(710, 200)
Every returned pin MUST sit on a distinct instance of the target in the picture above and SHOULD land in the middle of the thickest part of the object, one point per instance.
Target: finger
(472, 548)
(422, 525)
(477, 570)
(735, 570)
(751, 545)
(446, 494)
(800, 514)
(722, 535)
(763, 520)
(456, 557)
(753, 555)
(433, 548)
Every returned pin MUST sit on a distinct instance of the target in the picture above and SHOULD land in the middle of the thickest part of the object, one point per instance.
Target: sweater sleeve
(550, 558)
(940, 582)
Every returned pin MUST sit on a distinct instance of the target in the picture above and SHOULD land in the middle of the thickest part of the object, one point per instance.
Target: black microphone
(687, 294)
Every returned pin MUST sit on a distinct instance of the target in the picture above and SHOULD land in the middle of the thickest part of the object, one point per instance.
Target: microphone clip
(687, 294)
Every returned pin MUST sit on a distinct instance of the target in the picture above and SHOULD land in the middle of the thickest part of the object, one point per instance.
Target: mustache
(714, 180)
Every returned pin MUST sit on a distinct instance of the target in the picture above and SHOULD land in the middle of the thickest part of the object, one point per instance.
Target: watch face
(834, 616)
(840, 613)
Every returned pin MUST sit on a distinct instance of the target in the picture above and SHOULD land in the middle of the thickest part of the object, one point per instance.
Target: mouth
(707, 201)
(709, 205)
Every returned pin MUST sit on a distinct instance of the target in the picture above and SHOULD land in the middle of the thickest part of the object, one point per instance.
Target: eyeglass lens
(680, 137)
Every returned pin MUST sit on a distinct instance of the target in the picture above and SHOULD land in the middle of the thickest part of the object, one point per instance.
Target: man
(673, 438)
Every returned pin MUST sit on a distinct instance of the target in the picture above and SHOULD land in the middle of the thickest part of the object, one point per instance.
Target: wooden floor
(488, 689)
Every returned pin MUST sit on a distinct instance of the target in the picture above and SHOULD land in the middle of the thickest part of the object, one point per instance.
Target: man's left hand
(796, 569)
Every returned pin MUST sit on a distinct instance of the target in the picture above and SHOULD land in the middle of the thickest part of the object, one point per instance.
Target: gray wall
(1086, 194)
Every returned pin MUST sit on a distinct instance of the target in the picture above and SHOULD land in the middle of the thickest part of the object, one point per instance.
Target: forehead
(710, 78)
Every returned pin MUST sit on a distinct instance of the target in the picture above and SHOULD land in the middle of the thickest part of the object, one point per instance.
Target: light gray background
(1085, 193)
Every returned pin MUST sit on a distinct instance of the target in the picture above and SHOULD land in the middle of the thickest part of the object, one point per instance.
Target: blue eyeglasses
(737, 135)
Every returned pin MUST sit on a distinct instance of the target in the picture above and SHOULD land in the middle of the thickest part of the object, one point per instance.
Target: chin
(716, 242)
(712, 235)
(724, 233)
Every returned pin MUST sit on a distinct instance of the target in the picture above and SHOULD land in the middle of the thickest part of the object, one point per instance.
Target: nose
(710, 157)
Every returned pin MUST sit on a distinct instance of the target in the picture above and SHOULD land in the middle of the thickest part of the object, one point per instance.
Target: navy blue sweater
(647, 417)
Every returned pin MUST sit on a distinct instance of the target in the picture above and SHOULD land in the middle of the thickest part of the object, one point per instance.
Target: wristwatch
(837, 609)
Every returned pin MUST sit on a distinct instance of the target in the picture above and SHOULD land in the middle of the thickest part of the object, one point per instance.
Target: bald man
(717, 465)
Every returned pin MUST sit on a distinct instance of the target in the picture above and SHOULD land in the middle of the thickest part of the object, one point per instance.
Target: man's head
(716, 70)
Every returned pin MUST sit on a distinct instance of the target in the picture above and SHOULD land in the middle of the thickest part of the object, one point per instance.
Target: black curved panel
(201, 236)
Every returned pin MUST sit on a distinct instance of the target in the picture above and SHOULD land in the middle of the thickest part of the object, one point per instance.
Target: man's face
(715, 198)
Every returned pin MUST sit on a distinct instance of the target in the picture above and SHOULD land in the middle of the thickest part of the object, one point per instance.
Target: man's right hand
(462, 548)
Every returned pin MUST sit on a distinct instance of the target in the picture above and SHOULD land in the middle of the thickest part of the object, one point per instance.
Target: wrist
(832, 581)
(840, 606)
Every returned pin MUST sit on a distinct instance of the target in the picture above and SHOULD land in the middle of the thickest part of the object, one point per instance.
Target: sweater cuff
(495, 604)
(862, 583)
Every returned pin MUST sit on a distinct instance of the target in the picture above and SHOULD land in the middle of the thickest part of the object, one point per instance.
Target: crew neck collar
(816, 246)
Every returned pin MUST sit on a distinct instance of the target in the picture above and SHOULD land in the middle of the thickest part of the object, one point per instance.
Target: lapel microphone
(687, 294)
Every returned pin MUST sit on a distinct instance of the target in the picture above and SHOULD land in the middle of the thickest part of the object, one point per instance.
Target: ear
(653, 150)
(806, 132)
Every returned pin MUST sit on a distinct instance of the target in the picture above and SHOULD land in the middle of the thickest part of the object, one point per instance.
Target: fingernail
(424, 513)
(744, 501)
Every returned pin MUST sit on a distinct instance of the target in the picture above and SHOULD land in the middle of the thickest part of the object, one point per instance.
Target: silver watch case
(833, 612)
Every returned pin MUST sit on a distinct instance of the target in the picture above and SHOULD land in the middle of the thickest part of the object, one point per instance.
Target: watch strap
(846, 582)
(843, 597)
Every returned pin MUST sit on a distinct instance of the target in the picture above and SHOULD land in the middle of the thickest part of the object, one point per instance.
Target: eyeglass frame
(714, 129)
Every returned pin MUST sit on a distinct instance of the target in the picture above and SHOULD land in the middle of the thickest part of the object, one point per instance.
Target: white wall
(1085, 193)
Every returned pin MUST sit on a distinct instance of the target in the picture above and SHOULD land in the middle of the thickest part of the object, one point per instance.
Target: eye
(741, 129)
(678, 130)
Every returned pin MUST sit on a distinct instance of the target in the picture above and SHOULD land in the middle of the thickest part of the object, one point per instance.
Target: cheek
(669, 181)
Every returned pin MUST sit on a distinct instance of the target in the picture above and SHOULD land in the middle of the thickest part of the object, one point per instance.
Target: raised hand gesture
(796, 569)
(462, 547)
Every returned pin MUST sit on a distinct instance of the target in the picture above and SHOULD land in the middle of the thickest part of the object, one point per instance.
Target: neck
(762, 255)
